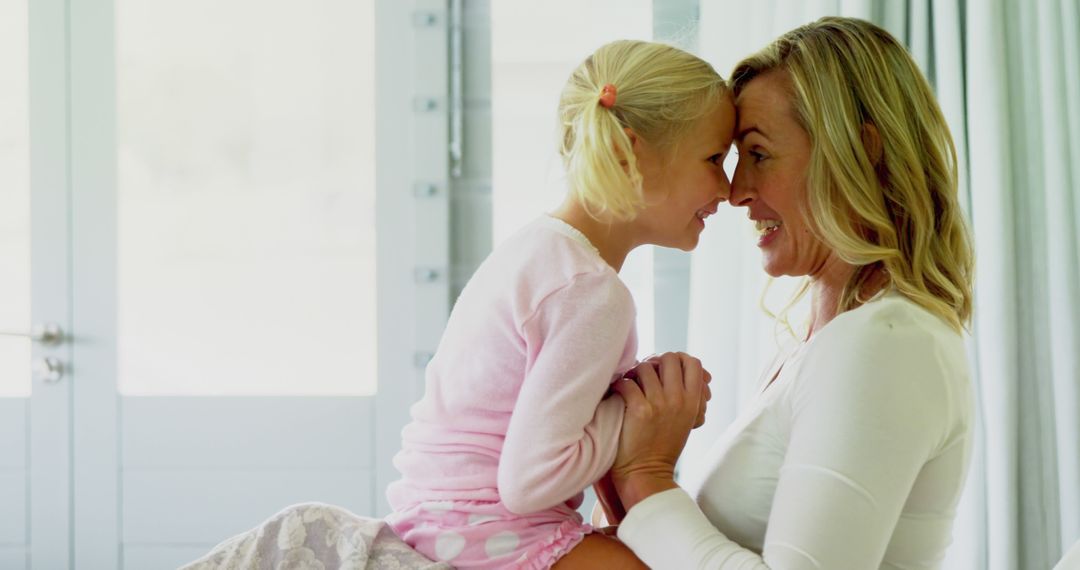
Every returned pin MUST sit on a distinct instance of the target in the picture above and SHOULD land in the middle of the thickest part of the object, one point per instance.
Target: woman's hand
(662, 406)
(700, 421)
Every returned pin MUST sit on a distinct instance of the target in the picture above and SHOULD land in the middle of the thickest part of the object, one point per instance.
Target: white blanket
(313, 536)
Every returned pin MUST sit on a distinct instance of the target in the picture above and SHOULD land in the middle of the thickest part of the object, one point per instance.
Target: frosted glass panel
(246, 197)
(528, 73)
(14, 201)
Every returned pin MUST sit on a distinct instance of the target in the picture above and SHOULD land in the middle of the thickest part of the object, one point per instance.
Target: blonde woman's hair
(890, 206)
(660, 92)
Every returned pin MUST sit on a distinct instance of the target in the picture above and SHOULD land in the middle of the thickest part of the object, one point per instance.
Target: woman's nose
(742, 193)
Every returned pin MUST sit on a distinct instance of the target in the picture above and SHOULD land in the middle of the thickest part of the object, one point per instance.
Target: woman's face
(770, 177)
(683, 189)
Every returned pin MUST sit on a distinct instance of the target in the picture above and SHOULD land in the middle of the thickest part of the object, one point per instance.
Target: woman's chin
(773, 267)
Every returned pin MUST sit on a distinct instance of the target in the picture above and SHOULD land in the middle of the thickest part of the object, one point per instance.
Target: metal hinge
(425, 190)
(427, 274)
(426, 18)
(424, 104)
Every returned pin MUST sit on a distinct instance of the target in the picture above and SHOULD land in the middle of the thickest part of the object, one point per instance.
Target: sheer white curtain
(1007, 75)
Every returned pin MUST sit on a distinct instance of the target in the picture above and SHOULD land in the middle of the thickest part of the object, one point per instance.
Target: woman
(855, 452)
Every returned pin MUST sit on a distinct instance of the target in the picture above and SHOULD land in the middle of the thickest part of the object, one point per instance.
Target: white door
(35, 388)
(187, 193)
(224, 271)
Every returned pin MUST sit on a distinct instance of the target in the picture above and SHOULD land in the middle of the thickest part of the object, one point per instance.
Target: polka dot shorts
(484, 535)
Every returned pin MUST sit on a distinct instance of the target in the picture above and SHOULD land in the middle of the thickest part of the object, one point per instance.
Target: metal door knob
(48, 334)
(49, 369)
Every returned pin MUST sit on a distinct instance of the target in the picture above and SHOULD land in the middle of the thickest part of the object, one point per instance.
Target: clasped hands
(665, 397)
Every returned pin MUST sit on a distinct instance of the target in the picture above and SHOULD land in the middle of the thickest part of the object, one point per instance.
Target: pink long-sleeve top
(514, 407)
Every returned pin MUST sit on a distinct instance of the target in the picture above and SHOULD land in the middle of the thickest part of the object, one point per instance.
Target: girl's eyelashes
(717, 159)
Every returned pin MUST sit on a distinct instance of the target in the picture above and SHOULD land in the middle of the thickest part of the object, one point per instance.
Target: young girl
(514, 423)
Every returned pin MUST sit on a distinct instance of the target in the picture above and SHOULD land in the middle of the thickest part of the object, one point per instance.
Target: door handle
(48, 334)
(49, 369)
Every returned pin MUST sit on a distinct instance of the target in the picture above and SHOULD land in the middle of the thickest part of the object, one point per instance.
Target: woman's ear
(871, 141)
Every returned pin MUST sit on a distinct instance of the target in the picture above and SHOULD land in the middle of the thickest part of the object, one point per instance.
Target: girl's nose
(724, 191)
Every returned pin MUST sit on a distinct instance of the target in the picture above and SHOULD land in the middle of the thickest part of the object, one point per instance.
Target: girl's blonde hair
(889, 201)
(660, 92)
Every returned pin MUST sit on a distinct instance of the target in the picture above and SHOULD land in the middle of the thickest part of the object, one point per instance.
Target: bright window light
(14, 200)
(246, 197)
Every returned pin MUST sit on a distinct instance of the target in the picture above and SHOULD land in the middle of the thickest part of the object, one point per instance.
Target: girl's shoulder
(549, 250)
(541, 259)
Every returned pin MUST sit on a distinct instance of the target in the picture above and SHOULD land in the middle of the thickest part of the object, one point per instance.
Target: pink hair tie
(607, 96)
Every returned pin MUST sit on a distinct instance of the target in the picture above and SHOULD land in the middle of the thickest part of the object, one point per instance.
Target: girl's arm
(563, 433)
(608, 500)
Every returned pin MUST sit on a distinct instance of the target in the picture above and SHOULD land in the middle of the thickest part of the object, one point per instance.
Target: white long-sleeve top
(854, 458)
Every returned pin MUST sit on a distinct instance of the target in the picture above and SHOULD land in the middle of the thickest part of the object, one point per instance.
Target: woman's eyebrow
(746, 132)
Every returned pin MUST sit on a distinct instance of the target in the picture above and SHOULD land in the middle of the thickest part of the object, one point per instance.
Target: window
(14, 200)
(246, 197)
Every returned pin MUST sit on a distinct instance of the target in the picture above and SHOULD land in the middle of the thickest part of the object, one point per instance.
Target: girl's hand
(662, 406)
(609, 500)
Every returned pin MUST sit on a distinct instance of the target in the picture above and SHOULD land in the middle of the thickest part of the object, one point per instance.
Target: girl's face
(683, 189)
(770, 178)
